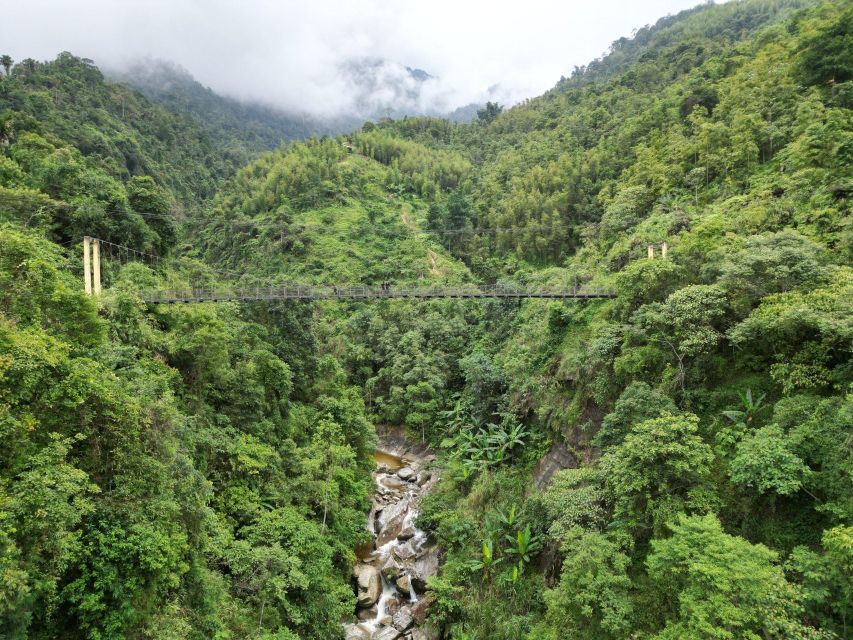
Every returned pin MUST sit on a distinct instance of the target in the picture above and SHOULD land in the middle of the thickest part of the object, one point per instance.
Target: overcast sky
(290, 53)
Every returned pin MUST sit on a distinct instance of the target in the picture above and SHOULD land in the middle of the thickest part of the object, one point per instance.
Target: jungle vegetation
(204, 471)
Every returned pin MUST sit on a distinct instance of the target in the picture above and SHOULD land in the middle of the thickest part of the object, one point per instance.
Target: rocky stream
(390, 577)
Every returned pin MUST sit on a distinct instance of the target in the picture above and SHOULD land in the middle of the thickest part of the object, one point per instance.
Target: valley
(283, 459)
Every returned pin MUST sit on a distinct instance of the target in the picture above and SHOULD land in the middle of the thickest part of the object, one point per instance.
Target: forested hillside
(184, 473)
(672, 463)
(240, 131)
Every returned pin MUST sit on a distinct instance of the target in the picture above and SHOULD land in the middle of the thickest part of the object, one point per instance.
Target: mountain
(679, 431)
(369, 89)
(241, 130)
(670, 463)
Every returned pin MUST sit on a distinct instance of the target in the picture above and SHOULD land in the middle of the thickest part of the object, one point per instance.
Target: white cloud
(291, 53)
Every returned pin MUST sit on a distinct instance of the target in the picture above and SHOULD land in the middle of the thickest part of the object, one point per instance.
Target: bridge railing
(331, 292)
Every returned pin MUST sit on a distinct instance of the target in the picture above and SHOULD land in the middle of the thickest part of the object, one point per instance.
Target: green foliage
(481, 446)
(575, 499)
(826, 578)
(637, 403)
(824, 55)
(203, 471)
(145, 489)
(721, 586)
(764, 461)
(659, 470)
(592, 599)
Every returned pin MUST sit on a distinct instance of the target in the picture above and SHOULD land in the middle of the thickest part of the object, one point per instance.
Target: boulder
(387, 633)
(390, 569)
(406, 534)
(357, 632)
(393, 605)
(389, 521)
(425, 634)
(425, 566)
(404, 585)
(392, 483)
(406, 473)
(404, 552)
(419, 609)
(369, 584)
(367, 614)
(403, 618)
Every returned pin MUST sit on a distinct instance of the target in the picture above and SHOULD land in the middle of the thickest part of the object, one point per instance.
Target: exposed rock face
(387, 633)
(403, 618)
(419, 609)
(558, 458)
(355, 632)
(367, 614)
(390, 579)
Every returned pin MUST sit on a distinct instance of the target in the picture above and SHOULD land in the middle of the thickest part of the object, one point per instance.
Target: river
(391, 573)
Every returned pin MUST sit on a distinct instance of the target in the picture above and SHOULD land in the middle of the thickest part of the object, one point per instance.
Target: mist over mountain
(373, 89)
(579, 368)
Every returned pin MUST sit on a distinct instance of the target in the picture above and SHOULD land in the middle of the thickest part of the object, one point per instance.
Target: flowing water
(392, 569)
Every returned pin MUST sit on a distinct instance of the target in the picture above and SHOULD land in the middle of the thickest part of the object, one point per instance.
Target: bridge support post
(96, 267)
(651, 251)
(663, 249)
(87, 266)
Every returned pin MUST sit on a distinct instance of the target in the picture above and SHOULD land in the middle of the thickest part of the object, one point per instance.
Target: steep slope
(720, 136)
(113, 126)
(187, 473)
(203, 471)
(240, 131)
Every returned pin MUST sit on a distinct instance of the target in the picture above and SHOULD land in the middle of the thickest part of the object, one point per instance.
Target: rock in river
(369, 585)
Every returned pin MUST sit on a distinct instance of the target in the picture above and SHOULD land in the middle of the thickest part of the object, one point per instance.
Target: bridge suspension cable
(385, 291)
(92, 253)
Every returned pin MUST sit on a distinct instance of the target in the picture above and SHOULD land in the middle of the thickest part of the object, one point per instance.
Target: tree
(659, 470)
(764, 460)
(637, 403)
(770, 264)
(575, 499)
(827, 579)
(146, 197)
(824, 57)
(488, 113)
(687, 325)
(6, 62)
(720, 586)
(593, 597)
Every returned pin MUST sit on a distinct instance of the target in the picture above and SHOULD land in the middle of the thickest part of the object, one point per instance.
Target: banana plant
(523, 546)
(749, 408)
(487, 560)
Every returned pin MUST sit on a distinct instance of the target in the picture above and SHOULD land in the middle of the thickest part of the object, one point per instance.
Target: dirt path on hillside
(433, 263)
(407, 220)
(432, 255)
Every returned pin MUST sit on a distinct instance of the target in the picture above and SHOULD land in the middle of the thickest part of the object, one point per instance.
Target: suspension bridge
(92, 284)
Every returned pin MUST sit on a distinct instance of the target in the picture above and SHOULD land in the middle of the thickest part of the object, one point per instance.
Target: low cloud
(303, 56)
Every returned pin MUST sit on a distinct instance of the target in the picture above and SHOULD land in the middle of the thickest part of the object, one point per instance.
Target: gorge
(392, 570)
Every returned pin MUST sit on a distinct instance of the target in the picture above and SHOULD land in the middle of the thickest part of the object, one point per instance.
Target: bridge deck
(364, 293)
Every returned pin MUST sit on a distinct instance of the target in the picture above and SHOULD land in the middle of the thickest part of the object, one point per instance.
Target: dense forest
(240, 131)
(676, 462)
